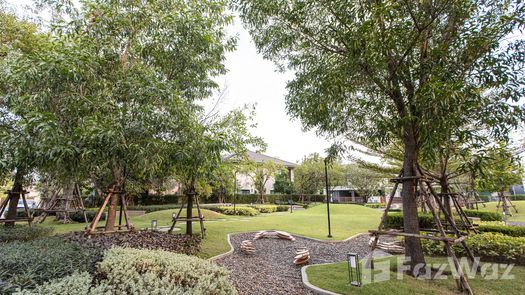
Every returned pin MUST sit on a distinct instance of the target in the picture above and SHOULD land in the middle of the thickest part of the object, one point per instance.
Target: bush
(90, 214)
(395, 220)
(266, 208)
(489, 246)
(26, 264)
(283, 208)
(154, 199)
(24, 233)
(484, 215)
(246, 211)
(513, 231)
(517, 197)
(132, 271)
(375, 205)
(153, 208)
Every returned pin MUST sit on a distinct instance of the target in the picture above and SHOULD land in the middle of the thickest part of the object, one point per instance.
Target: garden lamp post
(327, 197)
(234, 190)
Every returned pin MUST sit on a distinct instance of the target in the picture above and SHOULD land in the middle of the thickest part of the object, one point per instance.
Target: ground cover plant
(24, 233)
(25, 264)
(133, 271)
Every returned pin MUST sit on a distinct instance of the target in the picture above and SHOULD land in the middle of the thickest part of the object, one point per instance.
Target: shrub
(395, 220)
(27, 264)
(513, 231)
(154, 199)
(489, 246)
(283, 208)
(24, 233)
(132, 271)
(90, 214)
(153, 208)
(518, 197)
(484, 215)
(266, 208)
(246, 211)
(375, 205)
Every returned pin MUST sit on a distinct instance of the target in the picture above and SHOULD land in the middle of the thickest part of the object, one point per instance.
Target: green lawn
(334, 277)
(520, 205)
(346, 220)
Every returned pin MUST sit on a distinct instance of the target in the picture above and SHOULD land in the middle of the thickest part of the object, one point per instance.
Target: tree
(500, 170)
(260, 174)
(364, 181)
(283, 184)
(223, 181)
(199, 156)
(384, 71)
(309, 175)
(18, 148)
(117, 84)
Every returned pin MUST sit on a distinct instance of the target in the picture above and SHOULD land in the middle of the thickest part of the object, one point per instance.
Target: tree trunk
(445, 189)
(13, 204)
(116, 186)
(190, 194)
(413, 249)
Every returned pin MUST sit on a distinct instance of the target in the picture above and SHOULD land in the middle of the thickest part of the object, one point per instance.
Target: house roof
(260, 158)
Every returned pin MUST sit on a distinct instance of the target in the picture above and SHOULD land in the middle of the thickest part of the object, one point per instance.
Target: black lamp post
(234, 191)
(327, 197)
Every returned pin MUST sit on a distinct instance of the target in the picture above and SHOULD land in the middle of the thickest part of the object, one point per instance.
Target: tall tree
(365, 181)
(283, 184)
(18, 148)
(260, 174)
(117, 84)
(384, 71)
(199, 156)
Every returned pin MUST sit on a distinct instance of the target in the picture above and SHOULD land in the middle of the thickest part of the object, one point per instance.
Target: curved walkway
(271, 270)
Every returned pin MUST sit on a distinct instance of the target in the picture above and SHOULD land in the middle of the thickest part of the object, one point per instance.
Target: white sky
(256, 81)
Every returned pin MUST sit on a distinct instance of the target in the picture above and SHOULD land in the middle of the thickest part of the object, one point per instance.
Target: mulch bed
(271, 270)
(153, 240)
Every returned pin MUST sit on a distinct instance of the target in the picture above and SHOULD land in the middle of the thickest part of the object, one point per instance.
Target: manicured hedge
(154, 199)
(517, 197)
(153, 208)
(133, 271)
(90, 214)
(395, 220)
(489, 246)
(484, 215)
(239, 210)
(375, 205)
(513, 231)
(24, 233)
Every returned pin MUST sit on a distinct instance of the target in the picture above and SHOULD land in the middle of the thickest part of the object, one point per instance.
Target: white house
(245, 183)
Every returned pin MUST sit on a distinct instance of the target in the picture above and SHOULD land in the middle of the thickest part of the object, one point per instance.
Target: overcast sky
(254, 80)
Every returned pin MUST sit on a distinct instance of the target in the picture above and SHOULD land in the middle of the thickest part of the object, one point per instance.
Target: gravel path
(271, 270)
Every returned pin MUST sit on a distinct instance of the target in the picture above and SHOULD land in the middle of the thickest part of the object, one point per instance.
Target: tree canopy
(384, 71)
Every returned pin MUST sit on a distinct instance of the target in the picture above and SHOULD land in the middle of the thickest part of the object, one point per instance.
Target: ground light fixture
(327, 196)
(354, 269)
(154, 223)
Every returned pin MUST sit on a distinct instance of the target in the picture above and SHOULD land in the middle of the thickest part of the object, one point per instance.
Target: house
(244, 181)
(343, 194)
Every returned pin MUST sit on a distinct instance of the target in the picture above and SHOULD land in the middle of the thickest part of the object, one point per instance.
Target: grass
(346, 220)
(520, 205)
(334, 277)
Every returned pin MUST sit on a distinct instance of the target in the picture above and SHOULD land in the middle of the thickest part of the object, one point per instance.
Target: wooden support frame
(430, 197)
(5, 203)
(59, 202)
(199, 218)
(92, 228)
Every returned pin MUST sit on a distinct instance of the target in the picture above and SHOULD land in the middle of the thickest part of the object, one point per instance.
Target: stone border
(308, 238)
(225, 253)
(311, 287)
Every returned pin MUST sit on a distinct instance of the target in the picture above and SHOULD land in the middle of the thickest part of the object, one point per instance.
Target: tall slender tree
(385, 71)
